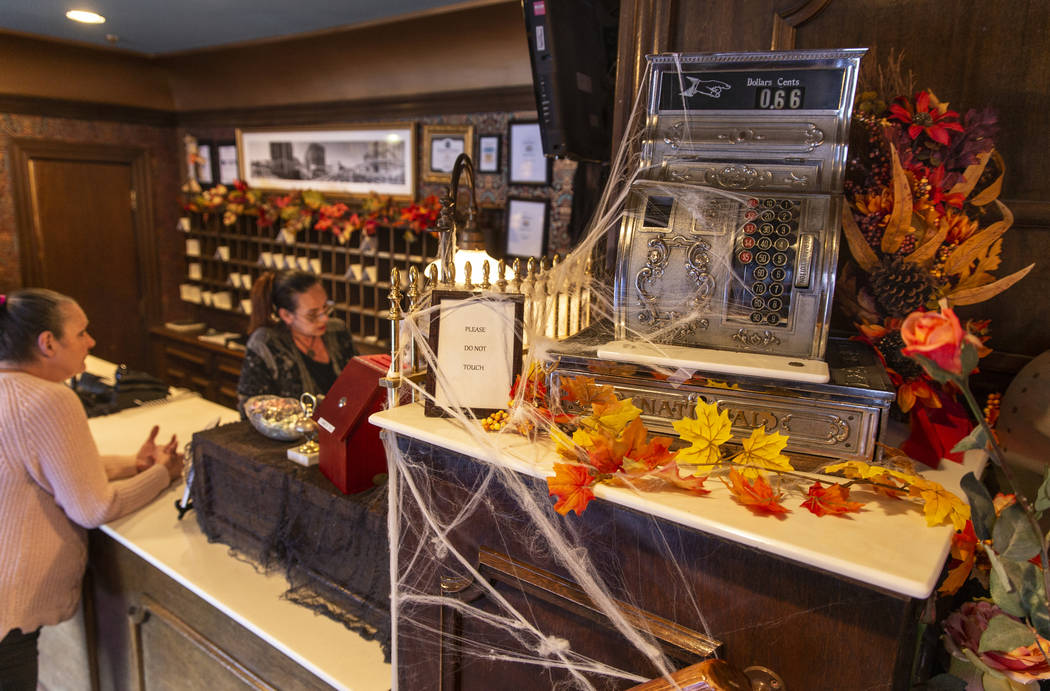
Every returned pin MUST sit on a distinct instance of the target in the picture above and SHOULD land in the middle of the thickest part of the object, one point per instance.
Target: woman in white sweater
(53, 483)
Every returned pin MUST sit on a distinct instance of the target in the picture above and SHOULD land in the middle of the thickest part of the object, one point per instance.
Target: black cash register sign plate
(765, 89)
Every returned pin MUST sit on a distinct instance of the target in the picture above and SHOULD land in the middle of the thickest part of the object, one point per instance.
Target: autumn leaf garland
(612, 445)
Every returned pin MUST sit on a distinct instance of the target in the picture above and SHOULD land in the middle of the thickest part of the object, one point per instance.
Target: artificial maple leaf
(655, 452)
(571, 483)
(964, 551)
(612, 418)
(939, 505)
(584, 391)
(670, 473)
(705, 434)
(755, 494)
(833, 499)
(762, 450)
(606, 455)
(569, 447)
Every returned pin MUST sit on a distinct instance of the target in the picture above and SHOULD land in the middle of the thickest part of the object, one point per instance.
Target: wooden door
(83, 231)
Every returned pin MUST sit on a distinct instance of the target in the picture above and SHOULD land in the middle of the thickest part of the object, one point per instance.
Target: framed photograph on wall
(477, 341)
(528, 165)
(442, 144)
(489, 153)
(527, 227)
(348, 160)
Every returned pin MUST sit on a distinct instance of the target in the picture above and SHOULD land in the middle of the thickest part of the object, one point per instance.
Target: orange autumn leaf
(830, 500)
(964, 551)
(670, 473)
(612, 418)
(571, 483)
(584, 391)
(654, 453)
(755, 494)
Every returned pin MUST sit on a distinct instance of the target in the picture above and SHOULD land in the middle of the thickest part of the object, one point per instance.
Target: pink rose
(937, 336)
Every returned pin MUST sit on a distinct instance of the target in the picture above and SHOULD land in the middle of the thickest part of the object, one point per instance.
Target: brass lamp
(463, 244)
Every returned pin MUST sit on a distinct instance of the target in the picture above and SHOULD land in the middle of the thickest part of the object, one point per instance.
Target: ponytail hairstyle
(273, 291)
(24, 315)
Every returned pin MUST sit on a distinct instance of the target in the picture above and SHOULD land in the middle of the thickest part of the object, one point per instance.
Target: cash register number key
(763, 252)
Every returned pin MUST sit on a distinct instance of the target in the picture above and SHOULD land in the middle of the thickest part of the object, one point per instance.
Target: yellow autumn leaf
(610, 419)
(762, 450)
(566, 446)
(940, 505)
(705, 434)
(855, 469)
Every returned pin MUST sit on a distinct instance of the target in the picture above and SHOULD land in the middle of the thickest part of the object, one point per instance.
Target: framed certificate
(528, 165)
(489, 149)
(477, 341)
(442, 144)
(526, 227)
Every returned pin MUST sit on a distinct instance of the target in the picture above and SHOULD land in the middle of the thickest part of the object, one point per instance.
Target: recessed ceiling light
(85, 16)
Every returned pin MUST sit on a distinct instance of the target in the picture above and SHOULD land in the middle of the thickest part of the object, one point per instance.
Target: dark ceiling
(156, 27)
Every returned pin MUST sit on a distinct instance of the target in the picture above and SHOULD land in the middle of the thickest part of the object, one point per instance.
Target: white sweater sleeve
(65, 461)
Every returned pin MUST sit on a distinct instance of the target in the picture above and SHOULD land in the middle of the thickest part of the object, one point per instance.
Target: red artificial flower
(921, 118)
(938, 336)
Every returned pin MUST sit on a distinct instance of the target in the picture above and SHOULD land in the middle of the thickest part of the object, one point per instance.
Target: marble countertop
(887, 545)
(326, 648)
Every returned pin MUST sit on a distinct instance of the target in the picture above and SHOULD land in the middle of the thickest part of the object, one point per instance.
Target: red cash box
(351, 453)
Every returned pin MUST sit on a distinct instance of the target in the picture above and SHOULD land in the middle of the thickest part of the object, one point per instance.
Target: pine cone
(890, 346)
(900, 287)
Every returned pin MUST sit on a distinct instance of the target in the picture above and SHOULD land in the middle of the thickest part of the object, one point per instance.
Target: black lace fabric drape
(332, 548)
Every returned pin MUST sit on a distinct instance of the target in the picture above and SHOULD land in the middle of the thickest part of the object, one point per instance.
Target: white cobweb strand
(413, 486)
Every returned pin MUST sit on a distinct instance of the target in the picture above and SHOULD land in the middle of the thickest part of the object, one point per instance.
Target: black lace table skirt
(332, 547)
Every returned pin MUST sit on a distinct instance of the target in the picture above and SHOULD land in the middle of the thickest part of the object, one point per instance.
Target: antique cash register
(727, 254)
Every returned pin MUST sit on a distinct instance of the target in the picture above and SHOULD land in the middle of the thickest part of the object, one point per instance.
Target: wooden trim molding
(509, 99)
(785, 25)
(30, 244)
(85, 110)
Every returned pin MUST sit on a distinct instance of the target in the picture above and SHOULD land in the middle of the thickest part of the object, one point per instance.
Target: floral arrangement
(922, 221)
(299, 211)
(1000, 641)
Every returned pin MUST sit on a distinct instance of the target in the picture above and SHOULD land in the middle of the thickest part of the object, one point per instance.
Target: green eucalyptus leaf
(1042, 495)
(982, 510)
(1004, 634)
(976, 439)
(997, 682)
(1004, 584)
(968, 357)
(1033, 598)
(1013, 537)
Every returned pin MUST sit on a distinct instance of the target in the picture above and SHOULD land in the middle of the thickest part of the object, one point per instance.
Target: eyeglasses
(314, 316)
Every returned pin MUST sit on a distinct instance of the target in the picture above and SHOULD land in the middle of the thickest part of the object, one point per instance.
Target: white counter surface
(887, 545)
(326, 648)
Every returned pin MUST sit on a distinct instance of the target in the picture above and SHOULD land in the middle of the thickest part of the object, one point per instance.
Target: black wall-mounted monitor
(572, 45)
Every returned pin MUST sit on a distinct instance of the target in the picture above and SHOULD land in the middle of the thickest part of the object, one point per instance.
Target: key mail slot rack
(730, 236)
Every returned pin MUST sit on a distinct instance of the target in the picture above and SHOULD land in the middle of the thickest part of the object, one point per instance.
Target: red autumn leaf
(606, 457)
(833, 500)
(654, 453)
(669, 473)
(757, 496)
(571, 483)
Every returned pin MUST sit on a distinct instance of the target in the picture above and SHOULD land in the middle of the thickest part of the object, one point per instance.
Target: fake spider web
(470, 538)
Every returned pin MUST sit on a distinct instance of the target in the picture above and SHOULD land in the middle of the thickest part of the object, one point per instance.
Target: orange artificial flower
(937, 336)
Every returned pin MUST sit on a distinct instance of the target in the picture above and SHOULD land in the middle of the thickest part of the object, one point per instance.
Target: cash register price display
(729, 241)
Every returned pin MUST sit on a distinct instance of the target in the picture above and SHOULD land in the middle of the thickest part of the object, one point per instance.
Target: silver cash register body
(727, 254)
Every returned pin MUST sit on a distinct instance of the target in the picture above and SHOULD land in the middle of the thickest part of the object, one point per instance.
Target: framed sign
(526, 227)
(227, 170)
(489, 149)
(205, 174)
(442, 144)
(349, 161)
(528, 165)
(477, 341)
